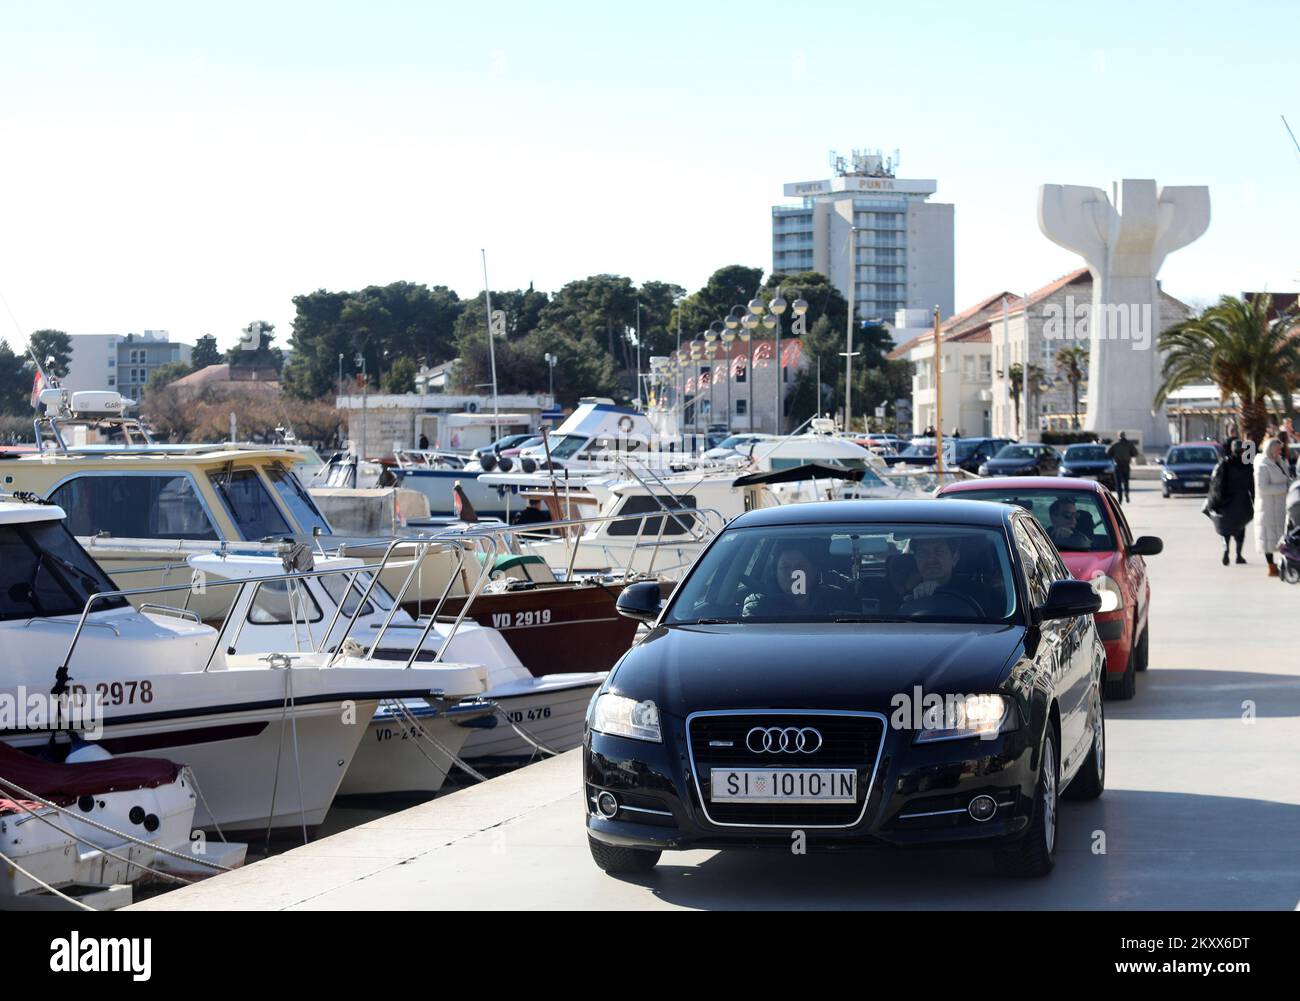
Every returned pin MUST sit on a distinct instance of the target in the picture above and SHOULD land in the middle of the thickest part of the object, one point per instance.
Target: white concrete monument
(1124, 244)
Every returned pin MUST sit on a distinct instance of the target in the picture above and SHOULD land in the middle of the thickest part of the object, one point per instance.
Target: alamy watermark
(78, 710)
(1118, 321)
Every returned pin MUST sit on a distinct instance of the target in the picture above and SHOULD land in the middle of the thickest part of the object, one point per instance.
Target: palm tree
(1072, 362)
(1016, 376)
(1235, 345)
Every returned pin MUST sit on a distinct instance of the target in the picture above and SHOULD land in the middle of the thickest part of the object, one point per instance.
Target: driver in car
(936, 559)
(1064, 531)
(942, 589)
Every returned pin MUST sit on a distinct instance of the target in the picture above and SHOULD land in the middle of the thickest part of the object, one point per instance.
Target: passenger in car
(797, 583)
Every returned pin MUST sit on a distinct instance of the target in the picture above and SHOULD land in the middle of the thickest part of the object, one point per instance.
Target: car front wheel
(1090, 781)
(1034, 853)
(616, 859)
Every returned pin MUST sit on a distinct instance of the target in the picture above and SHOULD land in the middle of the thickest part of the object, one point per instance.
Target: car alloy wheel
(1034, 853)
(1049, 797)
(1090, 780)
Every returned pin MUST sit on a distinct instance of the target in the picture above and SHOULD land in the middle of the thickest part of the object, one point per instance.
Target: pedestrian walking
(1231, 503)
(1271, 482)
(1122, 452)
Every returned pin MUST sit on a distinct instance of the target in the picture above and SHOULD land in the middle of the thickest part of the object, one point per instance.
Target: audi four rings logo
(783, 740)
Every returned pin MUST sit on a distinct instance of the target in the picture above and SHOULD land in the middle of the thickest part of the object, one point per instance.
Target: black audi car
(1023, 460)
(852, 675)
(1090, 462)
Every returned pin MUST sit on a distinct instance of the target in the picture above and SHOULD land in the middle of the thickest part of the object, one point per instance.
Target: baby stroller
(1288, 551)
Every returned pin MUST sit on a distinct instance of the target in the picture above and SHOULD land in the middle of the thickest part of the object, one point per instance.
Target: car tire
(1126, 687)
(1090, 780)
(1165, 492)
(1033, 854)
(617, 859)
(1142, 650)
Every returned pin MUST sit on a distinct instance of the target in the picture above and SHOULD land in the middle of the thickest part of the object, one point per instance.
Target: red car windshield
(1073, 519)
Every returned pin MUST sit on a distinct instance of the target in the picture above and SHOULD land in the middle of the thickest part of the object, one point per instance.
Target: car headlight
(1112, 598)
(970, 716)
(619, 716)
(984, 469)
(1168, 474)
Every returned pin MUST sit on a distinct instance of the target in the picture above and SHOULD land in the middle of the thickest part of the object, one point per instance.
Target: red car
(1094, 539)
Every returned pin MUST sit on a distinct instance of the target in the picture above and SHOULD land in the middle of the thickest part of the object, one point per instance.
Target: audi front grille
(718, 739)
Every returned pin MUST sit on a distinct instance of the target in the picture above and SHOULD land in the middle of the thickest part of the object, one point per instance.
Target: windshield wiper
(870, 618)
(712, 622)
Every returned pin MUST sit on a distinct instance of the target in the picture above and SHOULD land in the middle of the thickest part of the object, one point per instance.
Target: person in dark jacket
(1231, 504)
(1122, 452)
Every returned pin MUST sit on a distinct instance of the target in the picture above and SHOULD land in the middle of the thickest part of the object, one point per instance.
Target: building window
(740, 374)
(112, 363)
(112, 380)
(742, 408)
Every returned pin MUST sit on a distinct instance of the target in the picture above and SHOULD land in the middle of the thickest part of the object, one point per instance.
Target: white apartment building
(868, 221)
(122, 362)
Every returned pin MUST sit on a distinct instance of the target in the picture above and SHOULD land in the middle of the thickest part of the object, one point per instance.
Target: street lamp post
(711, 346)
(848, 333)
(728, 335)
(340, 373)
(550, 369)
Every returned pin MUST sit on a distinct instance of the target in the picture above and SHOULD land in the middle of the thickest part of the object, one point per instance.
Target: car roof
(1024, 483)
(878, 512)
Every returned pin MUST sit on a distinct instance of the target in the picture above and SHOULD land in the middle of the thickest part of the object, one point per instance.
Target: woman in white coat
(1271, 481)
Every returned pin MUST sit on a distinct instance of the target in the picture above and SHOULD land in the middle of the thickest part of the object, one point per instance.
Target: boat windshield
(297, 500)
(249, 504)
(44, 572)
(566, 446)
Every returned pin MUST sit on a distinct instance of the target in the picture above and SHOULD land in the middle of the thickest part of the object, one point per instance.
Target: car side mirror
(1069, 598)
(640, 601)
(1160, 460)
(1146, 545)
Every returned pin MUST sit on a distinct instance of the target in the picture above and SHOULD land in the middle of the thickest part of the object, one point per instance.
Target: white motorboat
(339, 602)
(62, 839)
(268, 737)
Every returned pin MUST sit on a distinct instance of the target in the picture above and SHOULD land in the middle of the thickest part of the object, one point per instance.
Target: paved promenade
(1202, 808)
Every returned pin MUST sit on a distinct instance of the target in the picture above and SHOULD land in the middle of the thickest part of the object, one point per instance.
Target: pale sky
(192, 167)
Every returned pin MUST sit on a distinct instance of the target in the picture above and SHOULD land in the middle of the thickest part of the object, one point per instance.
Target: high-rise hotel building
(902, 249)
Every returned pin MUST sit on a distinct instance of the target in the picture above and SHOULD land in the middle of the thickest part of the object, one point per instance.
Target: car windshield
(44, 571)
(1202, 456)
(1073, 519)
(1017, 452)
(1086, 453)
(914, 451)
(850, 573)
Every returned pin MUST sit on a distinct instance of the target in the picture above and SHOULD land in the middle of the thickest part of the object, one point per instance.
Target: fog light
(607, 805)
(982, 808)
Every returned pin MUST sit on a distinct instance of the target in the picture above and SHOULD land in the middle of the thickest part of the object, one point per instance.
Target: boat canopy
(797, 474)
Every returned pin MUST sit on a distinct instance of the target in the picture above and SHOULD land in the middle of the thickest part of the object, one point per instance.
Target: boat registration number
(517, 620)
(116, 693)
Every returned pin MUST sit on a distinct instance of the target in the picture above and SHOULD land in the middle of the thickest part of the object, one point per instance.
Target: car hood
(1190, 468)
(812, 666)
(1011, 463)
(1087, 465)
(1086, 566)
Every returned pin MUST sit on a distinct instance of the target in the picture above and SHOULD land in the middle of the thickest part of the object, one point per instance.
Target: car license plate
(1195, 484)
(786, 785)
